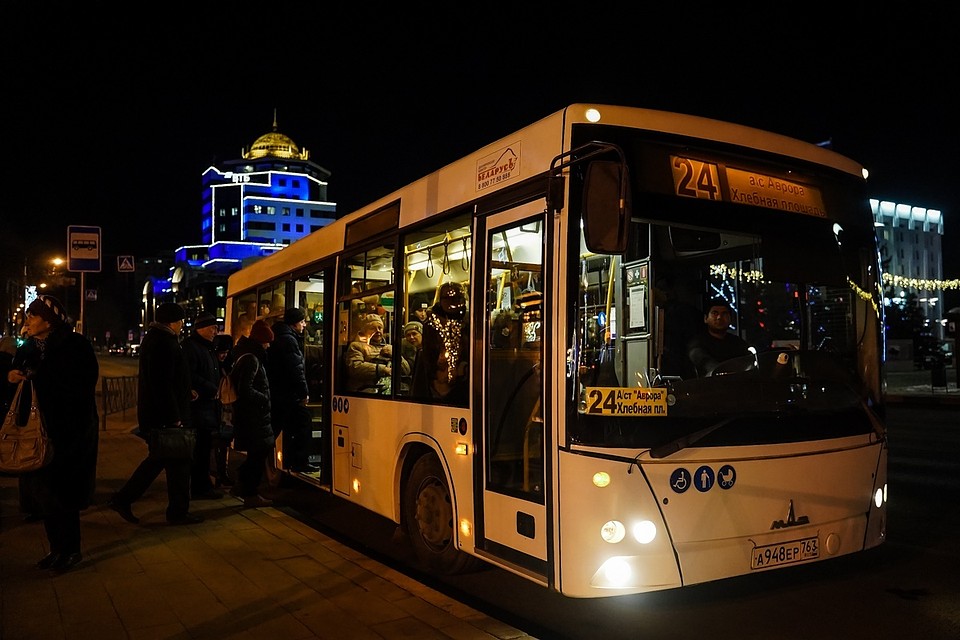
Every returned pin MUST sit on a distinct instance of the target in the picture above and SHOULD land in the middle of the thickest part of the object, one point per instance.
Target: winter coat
(65, 375)
(252, 430)
(164, 384)
(204, 379)
(288, 382)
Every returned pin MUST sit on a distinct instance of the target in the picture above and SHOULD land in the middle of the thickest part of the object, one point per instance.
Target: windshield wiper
(683, 442)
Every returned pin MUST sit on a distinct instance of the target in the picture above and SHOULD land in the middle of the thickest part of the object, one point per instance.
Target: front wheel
(429, 518)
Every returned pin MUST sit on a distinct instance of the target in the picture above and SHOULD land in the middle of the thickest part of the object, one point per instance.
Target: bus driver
(715, 343)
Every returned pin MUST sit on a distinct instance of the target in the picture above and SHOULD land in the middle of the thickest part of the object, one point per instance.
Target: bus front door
(514, 515)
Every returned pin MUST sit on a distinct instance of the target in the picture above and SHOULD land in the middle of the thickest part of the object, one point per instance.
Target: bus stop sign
(83, 248)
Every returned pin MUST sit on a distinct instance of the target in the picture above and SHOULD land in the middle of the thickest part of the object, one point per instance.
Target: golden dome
(275, 145)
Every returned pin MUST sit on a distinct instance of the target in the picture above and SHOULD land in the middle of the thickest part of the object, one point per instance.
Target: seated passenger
(715, 343)
(368, 359)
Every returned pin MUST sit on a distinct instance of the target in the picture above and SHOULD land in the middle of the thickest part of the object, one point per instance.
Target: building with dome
(255, 205)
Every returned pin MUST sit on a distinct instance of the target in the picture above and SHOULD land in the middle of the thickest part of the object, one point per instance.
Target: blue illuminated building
(253, 206)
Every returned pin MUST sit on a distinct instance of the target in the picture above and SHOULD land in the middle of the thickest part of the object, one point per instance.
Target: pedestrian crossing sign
(125, 263)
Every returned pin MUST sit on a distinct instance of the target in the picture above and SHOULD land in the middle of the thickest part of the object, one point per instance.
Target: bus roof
(533, 149)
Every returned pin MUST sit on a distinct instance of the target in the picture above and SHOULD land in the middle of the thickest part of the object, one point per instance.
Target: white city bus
(565, 435)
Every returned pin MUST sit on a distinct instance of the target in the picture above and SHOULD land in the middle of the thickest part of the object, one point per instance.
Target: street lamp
(61, 280)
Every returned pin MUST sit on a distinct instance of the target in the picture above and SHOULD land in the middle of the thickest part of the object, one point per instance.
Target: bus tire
(429, 519)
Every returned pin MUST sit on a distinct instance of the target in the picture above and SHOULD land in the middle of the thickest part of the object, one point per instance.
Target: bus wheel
(428, 518)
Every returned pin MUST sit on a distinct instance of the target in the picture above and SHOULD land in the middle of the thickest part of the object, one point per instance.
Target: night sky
(110, 120)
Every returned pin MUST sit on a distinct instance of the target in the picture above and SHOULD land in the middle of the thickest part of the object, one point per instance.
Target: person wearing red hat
(63, 369)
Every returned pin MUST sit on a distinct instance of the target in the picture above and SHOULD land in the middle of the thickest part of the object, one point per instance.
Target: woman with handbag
(63, 368)
(252, 429)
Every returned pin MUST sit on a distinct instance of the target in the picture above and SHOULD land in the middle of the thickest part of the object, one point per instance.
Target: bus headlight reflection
(613, 531)
(644, 531)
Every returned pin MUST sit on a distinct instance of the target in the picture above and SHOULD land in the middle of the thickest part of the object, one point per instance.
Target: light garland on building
(920, 284)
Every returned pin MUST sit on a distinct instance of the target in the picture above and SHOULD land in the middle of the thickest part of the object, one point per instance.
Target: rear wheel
(429, 518)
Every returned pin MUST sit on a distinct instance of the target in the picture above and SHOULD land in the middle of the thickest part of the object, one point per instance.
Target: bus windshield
(723, 325)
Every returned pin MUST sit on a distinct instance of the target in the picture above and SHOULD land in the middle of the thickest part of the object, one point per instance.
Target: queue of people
(178, 386)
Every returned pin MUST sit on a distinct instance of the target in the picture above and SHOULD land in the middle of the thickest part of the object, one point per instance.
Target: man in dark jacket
(288, 390)
(200, 352)
(163, 400)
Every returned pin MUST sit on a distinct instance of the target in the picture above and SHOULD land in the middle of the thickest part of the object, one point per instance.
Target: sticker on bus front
(626, 401)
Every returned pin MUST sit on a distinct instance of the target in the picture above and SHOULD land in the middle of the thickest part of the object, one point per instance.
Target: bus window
(437, 284)
(366, 318)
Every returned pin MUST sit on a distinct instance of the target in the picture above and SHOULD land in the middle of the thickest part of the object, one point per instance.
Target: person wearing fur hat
(252, 430)
(369, 360)
(291, 418)
(199, 350)
(62, 367)
(163, 400)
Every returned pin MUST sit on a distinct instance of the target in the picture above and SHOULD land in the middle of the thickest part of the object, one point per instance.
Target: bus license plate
(773, 555)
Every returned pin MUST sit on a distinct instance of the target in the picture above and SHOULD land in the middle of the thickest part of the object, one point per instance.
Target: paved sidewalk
(243, 573)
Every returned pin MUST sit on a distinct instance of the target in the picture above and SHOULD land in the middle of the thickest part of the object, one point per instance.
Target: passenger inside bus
(716, 343)
(368, 358)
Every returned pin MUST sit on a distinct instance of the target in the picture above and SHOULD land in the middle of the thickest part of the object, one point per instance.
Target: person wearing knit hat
(412, 342)
(293, 315)
(64, 372)
(50, 309)
(204, 320)
(291, 418)
(169, 312)
(164, 396)
(200, 352)
(261, 332)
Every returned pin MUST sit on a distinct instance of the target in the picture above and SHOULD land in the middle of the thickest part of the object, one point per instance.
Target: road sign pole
(83, 295)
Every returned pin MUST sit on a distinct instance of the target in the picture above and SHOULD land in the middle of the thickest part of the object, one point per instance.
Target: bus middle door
(514, 515)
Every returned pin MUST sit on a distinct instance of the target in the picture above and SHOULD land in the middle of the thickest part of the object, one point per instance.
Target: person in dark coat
(63, 368)
(288, 390)
(200, 352)
(163, 399)
(252, 431)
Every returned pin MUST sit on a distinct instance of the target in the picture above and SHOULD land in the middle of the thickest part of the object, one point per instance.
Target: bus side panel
(588, 566)
(367, 464)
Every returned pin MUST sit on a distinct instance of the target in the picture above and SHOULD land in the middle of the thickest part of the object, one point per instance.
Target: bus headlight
(644, 531)
(878, 497)
(613, 531)
(616, 571)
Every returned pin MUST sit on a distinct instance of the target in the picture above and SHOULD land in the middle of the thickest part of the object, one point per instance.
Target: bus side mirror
(606, 207)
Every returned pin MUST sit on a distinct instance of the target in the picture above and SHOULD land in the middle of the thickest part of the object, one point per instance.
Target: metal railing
(117, 394)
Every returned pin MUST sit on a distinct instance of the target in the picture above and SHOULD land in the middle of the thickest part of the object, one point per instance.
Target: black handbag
(171, 443)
